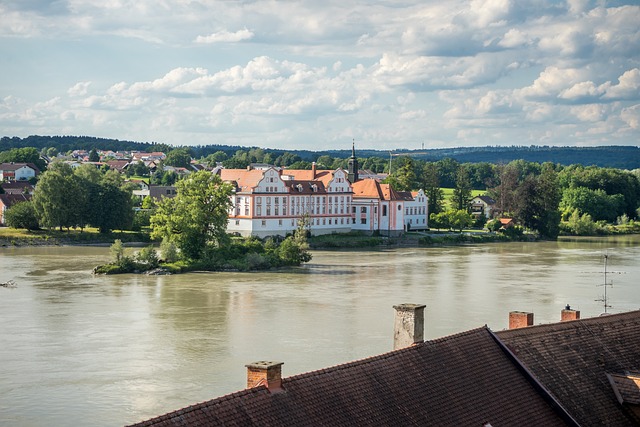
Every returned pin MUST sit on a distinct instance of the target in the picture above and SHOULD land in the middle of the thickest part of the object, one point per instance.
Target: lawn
(448, 195)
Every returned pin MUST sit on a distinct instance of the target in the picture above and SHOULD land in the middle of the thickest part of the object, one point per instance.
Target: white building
(269, 201)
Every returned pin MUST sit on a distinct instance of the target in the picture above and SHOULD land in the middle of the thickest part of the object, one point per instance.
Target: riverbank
(88, 237)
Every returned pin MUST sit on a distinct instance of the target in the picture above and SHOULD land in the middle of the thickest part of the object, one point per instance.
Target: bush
(169, 251)
(148, 256)
(22, 215)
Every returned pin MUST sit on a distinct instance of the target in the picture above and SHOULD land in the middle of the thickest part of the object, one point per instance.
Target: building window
(399, 207)
(353, 209)
(384, 210)
(280, 222)
(363, 220)
(258, 200)
(264, 223)
(237, 222)
(363, 209)
(258, 211)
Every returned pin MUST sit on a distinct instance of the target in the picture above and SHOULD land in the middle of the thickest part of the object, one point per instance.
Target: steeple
(353, 164)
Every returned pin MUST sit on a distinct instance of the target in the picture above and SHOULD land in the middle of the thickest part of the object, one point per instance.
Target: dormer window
(314, 187)
(299, 186)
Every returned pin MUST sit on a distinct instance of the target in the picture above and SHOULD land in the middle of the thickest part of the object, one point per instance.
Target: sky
(317, 75)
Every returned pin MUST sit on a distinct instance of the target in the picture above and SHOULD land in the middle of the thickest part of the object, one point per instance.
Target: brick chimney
(313, 170)
(408, 325)
(569, 314)
(265, 373)
(520, 319)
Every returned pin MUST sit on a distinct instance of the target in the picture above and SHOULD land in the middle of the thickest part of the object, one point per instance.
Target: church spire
(353, 164)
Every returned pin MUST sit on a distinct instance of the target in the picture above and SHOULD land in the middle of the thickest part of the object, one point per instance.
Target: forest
(622, 157)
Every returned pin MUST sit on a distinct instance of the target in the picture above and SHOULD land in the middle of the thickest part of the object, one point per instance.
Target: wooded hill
(622, 157)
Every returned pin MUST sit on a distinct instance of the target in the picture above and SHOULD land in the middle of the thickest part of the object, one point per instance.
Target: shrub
(148, 256)
(117, 250)
(169, 251)
(22, 215)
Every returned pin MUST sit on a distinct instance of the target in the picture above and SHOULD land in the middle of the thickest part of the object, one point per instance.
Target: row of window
(420, 210)
(304, 199)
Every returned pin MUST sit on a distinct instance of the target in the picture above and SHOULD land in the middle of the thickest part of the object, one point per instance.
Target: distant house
(483, 206)
(18, 171)
(17, 187)
(142, 188)
(119, 165)
(8, 200)
(507, 222)
(159, 191)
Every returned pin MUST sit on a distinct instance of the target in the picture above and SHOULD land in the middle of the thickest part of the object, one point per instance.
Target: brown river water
(78, 349)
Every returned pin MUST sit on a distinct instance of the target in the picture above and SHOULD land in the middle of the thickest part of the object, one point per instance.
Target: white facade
(416, 212)
(276, 201)
(270, 202)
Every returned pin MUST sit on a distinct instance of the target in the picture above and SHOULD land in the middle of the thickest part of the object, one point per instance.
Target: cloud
(79, 89)
(177, 71)
(225, 37)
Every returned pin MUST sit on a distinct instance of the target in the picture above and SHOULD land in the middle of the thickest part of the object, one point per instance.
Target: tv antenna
(605, 285)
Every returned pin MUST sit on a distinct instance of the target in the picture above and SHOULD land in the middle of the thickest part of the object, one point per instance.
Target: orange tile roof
(246, 179)
(367, 188)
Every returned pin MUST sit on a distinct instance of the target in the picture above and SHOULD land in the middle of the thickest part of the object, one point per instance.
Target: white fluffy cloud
(307, 74)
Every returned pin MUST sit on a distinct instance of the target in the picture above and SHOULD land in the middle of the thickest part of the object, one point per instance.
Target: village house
(483, 206)
(579, 372)
(18, 171)
(17, 187)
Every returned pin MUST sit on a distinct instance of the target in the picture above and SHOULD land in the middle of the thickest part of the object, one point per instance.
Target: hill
(622, 157)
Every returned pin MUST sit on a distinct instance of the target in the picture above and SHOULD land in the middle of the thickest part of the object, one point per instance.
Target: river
(78, 349)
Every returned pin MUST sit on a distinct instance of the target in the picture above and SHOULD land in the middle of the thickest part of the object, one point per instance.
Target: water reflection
(119, 349)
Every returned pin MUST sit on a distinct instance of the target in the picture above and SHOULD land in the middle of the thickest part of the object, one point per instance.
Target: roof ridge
(583, 321)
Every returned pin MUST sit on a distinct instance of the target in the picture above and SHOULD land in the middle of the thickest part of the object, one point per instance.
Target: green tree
(113, 207)
(537, 200)
(55, 198)
(179, 157)
(462, 189)
(23, 155)
(431, 186)
(581, 225)
(459, 219)
(117, 250)
(213, 159)
(22, 215)
(294, 250)
(597, 203)
(94, 156)
(196, 219)
(447, 170)
(404, 174)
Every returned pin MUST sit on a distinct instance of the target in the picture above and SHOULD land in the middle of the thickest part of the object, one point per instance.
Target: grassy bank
(21, 237)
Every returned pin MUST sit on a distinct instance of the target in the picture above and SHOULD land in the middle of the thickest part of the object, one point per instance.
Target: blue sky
(315, 75)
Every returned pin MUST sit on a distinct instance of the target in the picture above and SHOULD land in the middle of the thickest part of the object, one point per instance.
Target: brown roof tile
(462, 380)
(572, 360)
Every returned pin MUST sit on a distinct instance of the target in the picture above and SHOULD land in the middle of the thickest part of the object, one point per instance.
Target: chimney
(569, 314)
(313, 170)
(265, 373)
(520, 319)
(408, 325)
